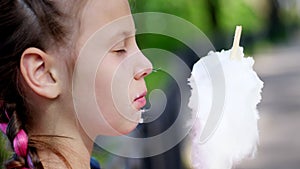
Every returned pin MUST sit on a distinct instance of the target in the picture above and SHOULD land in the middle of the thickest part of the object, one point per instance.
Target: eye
(120, 48)
(120, 51)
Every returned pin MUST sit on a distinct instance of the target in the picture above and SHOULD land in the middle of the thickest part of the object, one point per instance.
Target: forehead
(99, 13)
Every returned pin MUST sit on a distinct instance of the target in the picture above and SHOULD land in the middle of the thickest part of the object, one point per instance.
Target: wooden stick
(236, 43)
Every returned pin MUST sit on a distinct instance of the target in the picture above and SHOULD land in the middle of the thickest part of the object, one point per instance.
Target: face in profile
(113, 70)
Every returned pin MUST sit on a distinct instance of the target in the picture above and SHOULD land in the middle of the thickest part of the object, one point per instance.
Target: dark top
(94, 163)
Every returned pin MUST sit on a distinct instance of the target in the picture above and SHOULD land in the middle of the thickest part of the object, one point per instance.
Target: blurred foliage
(218, 19)
(4, 154)
(229, 13)
(237, 12)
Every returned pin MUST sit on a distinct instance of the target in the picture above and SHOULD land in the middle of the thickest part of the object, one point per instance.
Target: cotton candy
(236, 134)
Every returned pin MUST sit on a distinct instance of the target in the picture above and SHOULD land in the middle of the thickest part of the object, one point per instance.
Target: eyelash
(121, 51)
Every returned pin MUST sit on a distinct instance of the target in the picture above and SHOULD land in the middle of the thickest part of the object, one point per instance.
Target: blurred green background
(266, 23)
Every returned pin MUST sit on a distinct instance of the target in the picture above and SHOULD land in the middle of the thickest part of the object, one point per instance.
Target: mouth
(140, 101)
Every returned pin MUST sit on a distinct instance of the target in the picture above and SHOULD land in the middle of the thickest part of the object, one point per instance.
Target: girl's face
(120, 87)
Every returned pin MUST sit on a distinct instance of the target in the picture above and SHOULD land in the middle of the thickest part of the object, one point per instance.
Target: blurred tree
(276, 30)
(213, 8)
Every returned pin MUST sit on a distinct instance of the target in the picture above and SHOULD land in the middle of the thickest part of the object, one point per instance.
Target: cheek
(106, 88)
(113, 96)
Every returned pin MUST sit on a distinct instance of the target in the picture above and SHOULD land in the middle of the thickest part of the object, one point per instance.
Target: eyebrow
(129, 32)
(126, 33)
(122, 35)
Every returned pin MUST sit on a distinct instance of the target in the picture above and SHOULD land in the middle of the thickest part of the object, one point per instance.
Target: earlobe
(38, 71)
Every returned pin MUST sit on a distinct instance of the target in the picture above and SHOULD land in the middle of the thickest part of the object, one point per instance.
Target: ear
(39, 72)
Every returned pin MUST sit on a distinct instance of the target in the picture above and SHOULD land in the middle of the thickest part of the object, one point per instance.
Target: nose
(143, 73)
(144, 68)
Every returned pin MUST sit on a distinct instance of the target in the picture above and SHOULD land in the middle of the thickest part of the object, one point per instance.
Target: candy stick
(236, 43)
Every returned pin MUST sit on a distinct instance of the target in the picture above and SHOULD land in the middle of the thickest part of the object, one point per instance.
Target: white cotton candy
(236, 134)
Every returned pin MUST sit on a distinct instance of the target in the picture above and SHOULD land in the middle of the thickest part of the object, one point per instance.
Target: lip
(140, 96)
(140, 101)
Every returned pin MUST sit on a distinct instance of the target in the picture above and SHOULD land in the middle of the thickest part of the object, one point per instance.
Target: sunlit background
(271, 35)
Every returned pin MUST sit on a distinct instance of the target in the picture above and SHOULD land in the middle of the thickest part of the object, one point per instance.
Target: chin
(127, 129)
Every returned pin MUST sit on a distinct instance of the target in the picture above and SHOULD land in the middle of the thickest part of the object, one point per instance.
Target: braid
(11, 125)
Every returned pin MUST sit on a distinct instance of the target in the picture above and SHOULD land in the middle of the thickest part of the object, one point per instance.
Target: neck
(67, 153)
(68, 143)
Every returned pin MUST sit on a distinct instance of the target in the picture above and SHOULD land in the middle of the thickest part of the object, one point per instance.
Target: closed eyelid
(121, 44)
(124, 44)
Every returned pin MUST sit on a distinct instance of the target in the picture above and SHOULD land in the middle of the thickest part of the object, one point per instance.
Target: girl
(40, 42)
